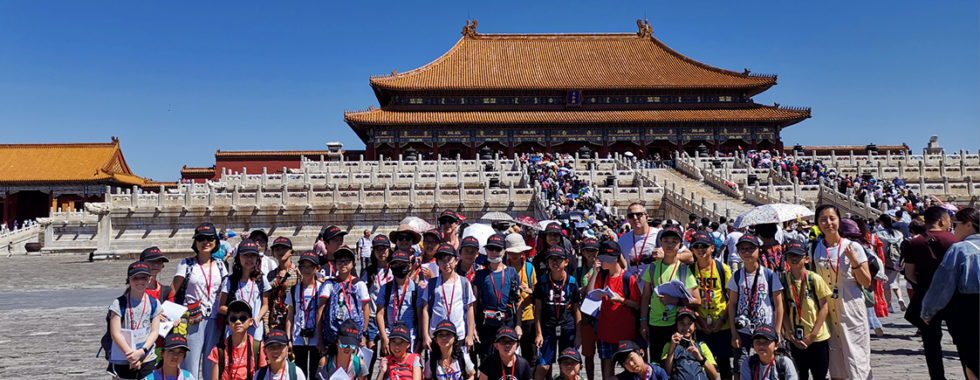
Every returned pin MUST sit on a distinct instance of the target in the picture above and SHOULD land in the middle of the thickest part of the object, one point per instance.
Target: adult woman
(200, 278)
(892, 238)
(843, 265)
(955, 287)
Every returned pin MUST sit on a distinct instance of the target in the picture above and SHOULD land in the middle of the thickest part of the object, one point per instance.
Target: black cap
(670, 230)
(590, 243)
(153, 253)
(556, 251)
(332, 232)
(623, 349)
(684, 311)
(449, 214)
(138, 267)
(276, 336)
(401, 255)
(344, 251)
(506, 332)
(469, 241)
(749, 238)
(400, 331)
(175, 340)
(795, 247)
(258, 234)
(380, 241)
(445, 325)
(239, 306)
(248, 246)
(311, 257)
(349, 333)
(609, 251)
(766, 332)
(434, 232)
(702, 237)
(496, 240)
(446, 249)
(553, 228)
(570, 353)
(284, 241)
(205, 229)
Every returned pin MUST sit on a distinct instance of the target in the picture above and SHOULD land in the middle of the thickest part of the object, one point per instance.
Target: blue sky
(178, 80)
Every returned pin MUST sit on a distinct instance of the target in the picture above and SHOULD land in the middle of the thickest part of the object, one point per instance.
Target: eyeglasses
(635, 215)
(348, 346)
(204, 238)
(446, 259)
(699, 246)
(403, 237)
(238, 318)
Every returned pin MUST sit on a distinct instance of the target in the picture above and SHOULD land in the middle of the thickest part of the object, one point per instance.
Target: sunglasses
(348, 346)
(747, 249)
(507, 342)
(204, 238)
(494, 249)
(403, 237)
(635, 215)
(699, 246)
(238, 318)
(447, 221)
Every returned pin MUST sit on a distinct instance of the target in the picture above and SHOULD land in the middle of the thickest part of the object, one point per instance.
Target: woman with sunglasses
(199, 279)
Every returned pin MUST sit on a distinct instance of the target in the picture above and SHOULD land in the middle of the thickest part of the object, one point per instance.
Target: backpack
(264, 371)
(181, 294)
(769, 279)
(253, 358)
(685, 367)
(780, 367)
(389, 289)
(316, 298)
(808, 291)
(431, 289)
(184, 374)
(893, 253)
(330, 317)
(693, 267)
(106, 341)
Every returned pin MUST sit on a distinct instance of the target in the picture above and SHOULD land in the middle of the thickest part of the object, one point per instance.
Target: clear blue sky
(178, 80)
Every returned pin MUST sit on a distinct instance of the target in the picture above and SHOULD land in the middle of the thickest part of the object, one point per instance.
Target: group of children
(431, 305)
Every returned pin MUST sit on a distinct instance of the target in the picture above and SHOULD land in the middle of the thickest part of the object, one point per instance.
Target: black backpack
(264, 371)
(693, 267)
(780, 367)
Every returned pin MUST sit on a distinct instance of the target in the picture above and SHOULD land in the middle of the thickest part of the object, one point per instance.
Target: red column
(435, 150)
(370, 152)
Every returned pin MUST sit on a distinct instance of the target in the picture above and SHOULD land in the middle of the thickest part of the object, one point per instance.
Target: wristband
(644, 319)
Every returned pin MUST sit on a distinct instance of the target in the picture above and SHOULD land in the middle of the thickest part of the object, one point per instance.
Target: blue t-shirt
(491, 284)
(401, 298)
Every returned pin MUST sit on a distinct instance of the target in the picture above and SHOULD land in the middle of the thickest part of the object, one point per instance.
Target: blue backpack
(156, 375)
(685, 366)
(336, 313)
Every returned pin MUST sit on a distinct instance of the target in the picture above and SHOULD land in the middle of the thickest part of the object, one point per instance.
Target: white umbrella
(544, 223)
(497, 216)
(773, 213)
(481, 232)
(417, 224)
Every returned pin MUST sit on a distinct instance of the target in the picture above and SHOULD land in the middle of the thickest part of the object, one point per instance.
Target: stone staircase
(704, 194)
(18, 239)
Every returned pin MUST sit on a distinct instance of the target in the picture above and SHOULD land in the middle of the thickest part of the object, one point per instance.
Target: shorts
(892, 279)
(740, 355)
(123, 371)
(587, 330)
(554, 344)
(372, 330)
(606, 350)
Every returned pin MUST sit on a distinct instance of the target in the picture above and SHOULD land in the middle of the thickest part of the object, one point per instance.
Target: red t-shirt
(155, 293)
(926, 260)
(239, 362)
(617, 321)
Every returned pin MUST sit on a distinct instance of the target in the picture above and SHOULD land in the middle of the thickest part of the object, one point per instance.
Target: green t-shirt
(705, 351)
(657, 274)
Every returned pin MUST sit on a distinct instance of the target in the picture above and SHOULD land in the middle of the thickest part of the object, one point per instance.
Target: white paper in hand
(340, 374)
(591, 306)
(674, 289)
(172, 312)
(366, 355)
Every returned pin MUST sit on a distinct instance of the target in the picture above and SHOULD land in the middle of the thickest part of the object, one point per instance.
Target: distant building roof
(81, 162)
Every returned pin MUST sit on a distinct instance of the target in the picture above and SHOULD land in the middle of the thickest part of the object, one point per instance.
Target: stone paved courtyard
(52, 310)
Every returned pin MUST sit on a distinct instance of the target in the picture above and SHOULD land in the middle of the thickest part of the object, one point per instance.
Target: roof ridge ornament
(644, 30)
(470, 29)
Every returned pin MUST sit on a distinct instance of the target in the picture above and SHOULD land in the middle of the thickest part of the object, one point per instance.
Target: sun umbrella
(417, 224)
(497, 216)
(773, 213)
(481, 232)
(528, 221)
(544, 223)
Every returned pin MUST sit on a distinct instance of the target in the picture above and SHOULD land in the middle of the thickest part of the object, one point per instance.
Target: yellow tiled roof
(89, 162)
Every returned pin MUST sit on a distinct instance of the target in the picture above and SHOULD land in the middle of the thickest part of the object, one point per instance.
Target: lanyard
(448, 371)
(132, 322)
(308, 306)
(649, 374)
(766, 373)
(251, 292)
(398, 301)
(449, 301)
(558, 296)
(350, 361)
(835, 268)
(343, 289)
(164, 376)
(499, 294)
(639, 254)
(707, 290)
(280, 300)
(796, 294)
(207, 277)
(282, 372)
(526, 273)
(503, 369)
(660, 279)
(755, 291)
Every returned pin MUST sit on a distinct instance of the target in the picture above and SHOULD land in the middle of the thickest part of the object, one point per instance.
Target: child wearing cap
(396, 300)
(630, 356)
(806, 297)
(136, 314)
(587, 325)
(766, 363)
(343, 355)
(238, 356)
(400, 364)
(156, 260)
(302, 304)
(516, 258)
(446, 358)
(333, 239)
(617, 318)
(504, 363)
(754, 298)
(343, 297)
(569, 365)
(374, 276)
(712, 320)
(247, 283)
(448, 296)
(174, 350)
(469, 250)
(280, 280)
(556, 312)
(684, 357)
(276, 346)
(657, 312)
(428, 268)
(497, 292)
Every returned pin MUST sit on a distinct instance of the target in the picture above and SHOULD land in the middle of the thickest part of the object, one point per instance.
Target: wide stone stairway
(711, 195)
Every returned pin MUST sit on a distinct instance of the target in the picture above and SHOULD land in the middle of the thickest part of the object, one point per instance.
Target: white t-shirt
(304, 314)
(281, 375)
(250, 292)
(642, 244)
(731, 241)
(203, 283)
(454, 373)
(365, 246)
(269, 264)
(453, 290)
(137, 314)
(761, 313)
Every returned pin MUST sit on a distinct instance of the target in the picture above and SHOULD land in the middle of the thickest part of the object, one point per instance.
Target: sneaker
(891, 310)
(901, 304)
(879, 332)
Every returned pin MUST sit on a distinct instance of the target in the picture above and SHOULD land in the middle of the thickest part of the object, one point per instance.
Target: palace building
(514, 93)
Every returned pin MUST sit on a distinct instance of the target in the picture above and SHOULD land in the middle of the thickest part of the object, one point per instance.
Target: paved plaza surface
(52, 312)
